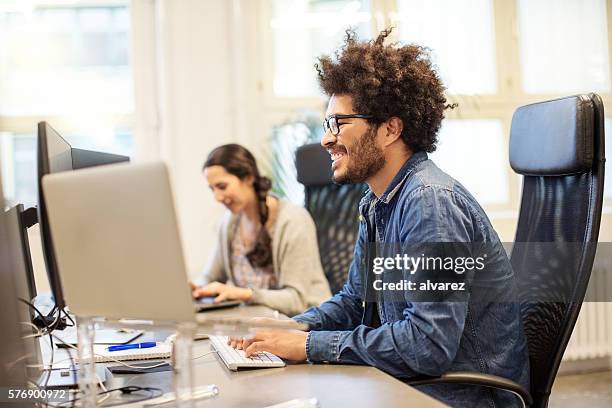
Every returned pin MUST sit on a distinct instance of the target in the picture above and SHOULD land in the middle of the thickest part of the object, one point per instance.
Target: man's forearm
(403, 349)
(358, 347)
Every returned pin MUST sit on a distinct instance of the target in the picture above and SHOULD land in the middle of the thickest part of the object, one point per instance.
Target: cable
(125, 390)
(43, 321)
(40, 333)
(205, 354)
(69, 318)
(57, 323)
(49, 330)
(154, 392)
(50, 342)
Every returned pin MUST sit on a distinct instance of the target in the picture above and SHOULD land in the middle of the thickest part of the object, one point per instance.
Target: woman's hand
(222, 292)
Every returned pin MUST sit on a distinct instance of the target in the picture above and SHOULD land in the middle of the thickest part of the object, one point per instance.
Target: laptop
(118, 248)
(204, 304)
(117, 243)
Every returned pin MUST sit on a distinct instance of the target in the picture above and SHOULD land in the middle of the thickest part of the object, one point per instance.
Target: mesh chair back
(559, 148)
(335, 210)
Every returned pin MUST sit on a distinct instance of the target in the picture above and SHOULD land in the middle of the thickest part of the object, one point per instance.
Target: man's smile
(336, 155)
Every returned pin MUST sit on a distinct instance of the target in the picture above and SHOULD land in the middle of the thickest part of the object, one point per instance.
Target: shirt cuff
(303, 321)
(323, 346)
(256, 296)
(310, 318)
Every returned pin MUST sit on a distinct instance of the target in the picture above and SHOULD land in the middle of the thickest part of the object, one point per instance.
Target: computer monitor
(21, 272)
(82, 159)
(19, 245)
(12, 370)
(55, 155)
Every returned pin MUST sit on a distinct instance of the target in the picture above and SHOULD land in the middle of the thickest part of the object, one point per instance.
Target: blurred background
(172, 79)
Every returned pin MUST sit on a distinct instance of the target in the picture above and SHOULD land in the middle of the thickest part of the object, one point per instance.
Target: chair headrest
(553, 138)
(313, 164)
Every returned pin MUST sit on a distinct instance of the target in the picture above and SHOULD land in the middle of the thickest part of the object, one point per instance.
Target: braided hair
(237, 160)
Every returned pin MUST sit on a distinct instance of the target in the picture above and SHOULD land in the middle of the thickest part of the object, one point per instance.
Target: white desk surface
(332, 385)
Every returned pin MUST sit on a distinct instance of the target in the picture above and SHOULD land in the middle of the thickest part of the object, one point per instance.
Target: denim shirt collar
(395, 185)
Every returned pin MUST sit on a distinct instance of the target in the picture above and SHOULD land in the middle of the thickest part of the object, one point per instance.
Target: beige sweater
(295, 258)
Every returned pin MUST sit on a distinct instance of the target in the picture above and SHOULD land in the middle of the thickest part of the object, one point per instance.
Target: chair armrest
(474, 378)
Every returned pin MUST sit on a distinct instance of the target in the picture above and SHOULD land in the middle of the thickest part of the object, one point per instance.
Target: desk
(332, 385)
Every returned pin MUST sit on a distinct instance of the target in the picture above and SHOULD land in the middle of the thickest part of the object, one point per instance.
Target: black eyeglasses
(331, 123)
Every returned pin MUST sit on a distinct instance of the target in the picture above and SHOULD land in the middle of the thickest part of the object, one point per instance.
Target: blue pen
(146, 344)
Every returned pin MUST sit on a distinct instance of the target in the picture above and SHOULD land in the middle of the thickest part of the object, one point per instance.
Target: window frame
(25, 125)
(499, 106)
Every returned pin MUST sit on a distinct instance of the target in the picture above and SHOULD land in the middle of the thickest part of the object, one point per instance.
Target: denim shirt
(408, 339)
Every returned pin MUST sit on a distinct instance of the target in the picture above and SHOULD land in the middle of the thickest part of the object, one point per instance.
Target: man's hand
(241, 343)
(222, 292)
(287, 344)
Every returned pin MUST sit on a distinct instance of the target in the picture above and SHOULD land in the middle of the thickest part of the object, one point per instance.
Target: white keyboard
(235, 359)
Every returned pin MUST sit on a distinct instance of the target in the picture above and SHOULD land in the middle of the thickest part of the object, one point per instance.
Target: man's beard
(365, 160)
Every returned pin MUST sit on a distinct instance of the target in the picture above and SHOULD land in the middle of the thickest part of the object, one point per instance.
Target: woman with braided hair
(267, 249)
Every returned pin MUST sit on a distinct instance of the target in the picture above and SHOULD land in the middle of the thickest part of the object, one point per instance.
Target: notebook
(160, 351)
(103, 336)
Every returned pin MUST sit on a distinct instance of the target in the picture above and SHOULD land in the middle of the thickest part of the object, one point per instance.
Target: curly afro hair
(386, 81)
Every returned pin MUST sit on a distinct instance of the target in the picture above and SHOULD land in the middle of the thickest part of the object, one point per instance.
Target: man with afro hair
(384, 112)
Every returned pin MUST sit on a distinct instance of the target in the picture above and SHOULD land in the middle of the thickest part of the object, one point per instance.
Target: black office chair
(334, 209)
(558, 146)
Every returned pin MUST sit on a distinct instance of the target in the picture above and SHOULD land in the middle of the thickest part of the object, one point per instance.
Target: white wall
(190, 87)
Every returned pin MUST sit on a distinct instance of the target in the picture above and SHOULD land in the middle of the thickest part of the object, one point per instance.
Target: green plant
(305, 127)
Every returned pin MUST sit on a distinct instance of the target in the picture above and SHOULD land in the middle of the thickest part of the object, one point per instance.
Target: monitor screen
(54, 155)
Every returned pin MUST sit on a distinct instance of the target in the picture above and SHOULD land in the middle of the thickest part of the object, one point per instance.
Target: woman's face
(234, 193)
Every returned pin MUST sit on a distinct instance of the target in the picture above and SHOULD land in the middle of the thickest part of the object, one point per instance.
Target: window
(474, 153)
(461, 37)
(564, 46)
(19, 168)
(58, 61)
(304, 29)
(19, 172)
(492, 55)
(67, 63)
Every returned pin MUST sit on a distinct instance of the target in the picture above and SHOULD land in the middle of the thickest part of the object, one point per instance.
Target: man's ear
(393, 128)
